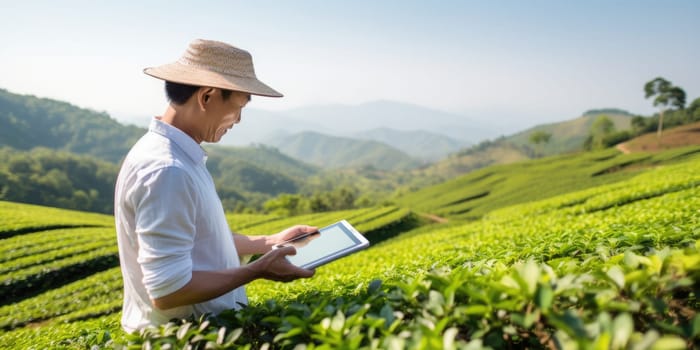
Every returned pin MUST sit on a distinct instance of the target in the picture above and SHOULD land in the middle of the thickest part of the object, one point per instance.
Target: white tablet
(325, 245)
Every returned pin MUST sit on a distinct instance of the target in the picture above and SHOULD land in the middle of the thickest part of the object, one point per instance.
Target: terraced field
(610, 259)
(472, 196)
(62, 266)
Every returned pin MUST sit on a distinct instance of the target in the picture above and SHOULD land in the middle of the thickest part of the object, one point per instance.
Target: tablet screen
(319, 245)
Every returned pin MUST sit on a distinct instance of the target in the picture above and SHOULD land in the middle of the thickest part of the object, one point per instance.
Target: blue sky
(513, 61)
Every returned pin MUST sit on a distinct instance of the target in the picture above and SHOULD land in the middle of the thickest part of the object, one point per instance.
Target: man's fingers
(306, 273)
(287, 250)
(304, 229)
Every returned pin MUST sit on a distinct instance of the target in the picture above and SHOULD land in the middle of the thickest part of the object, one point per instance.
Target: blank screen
(329, 240)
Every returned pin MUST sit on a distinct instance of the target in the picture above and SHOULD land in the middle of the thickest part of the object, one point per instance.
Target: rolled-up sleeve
(165, 227)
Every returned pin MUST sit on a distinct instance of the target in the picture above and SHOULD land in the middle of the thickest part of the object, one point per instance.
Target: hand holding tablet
(325, 245)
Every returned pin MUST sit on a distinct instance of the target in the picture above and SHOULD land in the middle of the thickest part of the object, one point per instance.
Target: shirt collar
(184, 141)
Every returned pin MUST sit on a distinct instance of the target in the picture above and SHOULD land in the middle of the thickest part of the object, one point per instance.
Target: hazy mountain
(340, 152)
(424, 145)
(350, 120)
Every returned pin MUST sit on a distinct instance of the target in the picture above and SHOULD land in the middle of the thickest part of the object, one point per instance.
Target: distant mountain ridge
(424, 145)
(351, 120)
(340, 152)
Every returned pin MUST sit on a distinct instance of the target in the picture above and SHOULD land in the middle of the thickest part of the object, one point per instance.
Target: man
(177, 253)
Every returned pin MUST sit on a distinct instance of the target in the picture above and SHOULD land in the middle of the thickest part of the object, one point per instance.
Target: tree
(601, 128)
(665, 95)
(694, 110)
(540, 137)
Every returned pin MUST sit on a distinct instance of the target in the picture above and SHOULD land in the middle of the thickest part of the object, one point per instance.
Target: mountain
(424, 145)
(351, 120)
(27, 122)
(340, 152)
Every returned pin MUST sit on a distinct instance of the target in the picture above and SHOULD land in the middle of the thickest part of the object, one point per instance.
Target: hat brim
(183, 74)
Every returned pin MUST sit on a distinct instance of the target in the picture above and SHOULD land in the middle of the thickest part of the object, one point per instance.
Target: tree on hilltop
(540, 137)
(601, 128)
(666, 94)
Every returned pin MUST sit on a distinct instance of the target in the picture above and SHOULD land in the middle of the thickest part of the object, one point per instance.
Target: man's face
(224, 114)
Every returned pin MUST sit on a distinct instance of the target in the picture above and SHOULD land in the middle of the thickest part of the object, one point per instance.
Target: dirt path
(435, 218)
(622, 147)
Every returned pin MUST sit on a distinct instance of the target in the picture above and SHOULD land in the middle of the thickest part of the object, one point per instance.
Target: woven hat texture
(215, 64)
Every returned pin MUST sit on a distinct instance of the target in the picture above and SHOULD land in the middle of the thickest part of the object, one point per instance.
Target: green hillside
(613, 266)
(57, 154)
(566, 137)
(569, 136)
(474, 195)
(339, 152)
(27, 122)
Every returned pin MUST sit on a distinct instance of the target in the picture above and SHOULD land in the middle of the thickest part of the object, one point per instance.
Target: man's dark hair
(179, 93)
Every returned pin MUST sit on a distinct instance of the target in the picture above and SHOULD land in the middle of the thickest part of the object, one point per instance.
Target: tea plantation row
(63, 267)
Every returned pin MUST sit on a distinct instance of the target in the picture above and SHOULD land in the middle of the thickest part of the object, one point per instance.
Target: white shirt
(170, 222)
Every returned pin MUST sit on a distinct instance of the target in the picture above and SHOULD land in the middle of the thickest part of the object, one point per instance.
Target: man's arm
(207, 285)
(246, 245)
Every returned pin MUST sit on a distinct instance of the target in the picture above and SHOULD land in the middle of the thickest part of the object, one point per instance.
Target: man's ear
(204, 96)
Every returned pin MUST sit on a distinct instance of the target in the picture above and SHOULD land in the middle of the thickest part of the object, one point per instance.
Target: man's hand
(206, 285)
(290, 233)
(274, 266)
(262, 244)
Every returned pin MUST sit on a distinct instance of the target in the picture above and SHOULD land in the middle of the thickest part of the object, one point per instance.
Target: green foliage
(615, 111)
(665, 94)
(246, 177)
(54, 178)
(601, 129)
(538, 137)
(614, 138)
(28, 122)
(672, 118)
(341, 198)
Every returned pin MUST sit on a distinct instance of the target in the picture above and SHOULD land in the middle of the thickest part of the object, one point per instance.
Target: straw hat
(214, 64)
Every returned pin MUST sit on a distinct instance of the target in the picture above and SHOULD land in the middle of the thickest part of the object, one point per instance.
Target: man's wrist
(251, 272)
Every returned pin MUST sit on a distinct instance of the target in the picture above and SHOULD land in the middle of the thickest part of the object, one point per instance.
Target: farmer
(177, 254)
